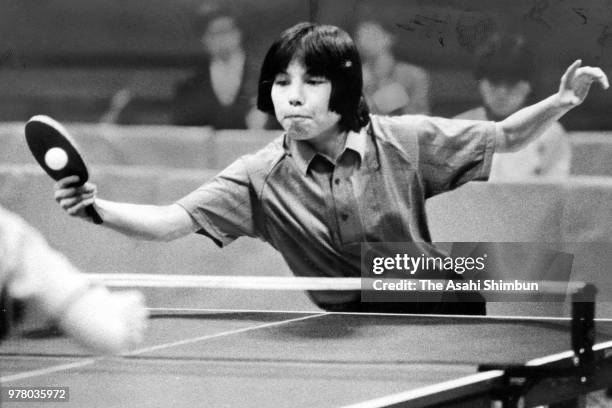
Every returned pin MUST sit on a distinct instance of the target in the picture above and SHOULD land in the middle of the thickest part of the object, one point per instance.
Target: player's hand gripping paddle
(57, 154)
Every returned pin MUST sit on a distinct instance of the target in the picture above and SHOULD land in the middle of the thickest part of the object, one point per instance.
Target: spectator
(504, 70)
(221, 92)
(391, 87)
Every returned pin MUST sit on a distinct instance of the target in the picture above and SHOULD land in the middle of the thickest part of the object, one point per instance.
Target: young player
(338, 177)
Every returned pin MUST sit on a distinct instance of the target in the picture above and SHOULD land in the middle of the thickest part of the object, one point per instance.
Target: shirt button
(337, 181)
(344, 216)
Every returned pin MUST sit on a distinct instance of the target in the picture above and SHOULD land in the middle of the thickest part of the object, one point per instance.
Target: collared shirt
(317, 213)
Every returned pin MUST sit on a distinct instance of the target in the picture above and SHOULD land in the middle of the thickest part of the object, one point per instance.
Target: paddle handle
(93, 214)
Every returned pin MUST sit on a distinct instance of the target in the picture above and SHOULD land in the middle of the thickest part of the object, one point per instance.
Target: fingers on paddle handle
(67, 182)
(93, 214)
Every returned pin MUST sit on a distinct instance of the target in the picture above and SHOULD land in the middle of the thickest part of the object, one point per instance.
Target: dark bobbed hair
(504, 58)
(326, 51)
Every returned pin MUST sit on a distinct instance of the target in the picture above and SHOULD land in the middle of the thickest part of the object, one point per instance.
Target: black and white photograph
(306, 203)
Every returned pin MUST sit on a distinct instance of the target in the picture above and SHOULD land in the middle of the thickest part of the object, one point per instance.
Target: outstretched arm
(148, 222)
(523, 126)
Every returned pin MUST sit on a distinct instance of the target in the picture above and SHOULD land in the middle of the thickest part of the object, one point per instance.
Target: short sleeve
(453, 152)
(224, 207)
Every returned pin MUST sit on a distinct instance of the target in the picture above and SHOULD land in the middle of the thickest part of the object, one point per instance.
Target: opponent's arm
(520, 128)
(104, 321)
(148, 222)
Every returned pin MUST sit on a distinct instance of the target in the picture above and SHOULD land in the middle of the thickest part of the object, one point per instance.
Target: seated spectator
(391, 87)
(221, 92)
(34, 273)
(504, 69)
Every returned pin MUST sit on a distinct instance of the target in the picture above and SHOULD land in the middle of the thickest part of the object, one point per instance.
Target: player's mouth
(297, 117)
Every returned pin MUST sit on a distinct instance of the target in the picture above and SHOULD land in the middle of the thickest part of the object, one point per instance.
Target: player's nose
(295, 94)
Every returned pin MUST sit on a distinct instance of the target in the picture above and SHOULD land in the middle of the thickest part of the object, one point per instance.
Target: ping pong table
(228, 358)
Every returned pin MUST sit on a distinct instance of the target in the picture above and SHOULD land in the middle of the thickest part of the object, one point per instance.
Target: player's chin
(298, 132)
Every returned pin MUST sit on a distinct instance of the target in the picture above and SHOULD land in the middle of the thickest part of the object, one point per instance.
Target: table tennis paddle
(57, 154)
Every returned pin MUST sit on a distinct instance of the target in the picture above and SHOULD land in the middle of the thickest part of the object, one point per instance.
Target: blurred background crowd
(196, 63)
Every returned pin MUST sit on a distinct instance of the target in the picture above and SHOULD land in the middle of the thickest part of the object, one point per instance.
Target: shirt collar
(359, 142)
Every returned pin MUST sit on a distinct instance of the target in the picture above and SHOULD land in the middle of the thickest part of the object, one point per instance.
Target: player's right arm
(149, 222)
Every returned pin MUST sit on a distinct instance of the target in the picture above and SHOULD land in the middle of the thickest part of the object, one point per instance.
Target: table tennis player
(33, 272)
(338, 176)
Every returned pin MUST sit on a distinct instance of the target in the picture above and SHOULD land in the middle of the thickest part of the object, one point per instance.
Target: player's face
(301, 104)
(504, 98)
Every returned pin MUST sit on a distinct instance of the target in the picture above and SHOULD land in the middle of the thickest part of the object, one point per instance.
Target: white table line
(90, 361)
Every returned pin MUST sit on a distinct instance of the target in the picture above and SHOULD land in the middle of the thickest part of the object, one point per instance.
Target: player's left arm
(523, 126)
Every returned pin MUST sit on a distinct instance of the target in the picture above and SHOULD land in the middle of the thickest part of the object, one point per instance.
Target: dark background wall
(68, 57)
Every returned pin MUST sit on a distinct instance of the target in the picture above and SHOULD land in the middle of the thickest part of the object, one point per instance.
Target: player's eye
(316, 80)
(281, 80)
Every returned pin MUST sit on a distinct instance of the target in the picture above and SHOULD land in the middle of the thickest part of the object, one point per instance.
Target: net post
(583, 329)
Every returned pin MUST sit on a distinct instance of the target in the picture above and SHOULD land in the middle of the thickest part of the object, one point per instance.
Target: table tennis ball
(56, 158)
